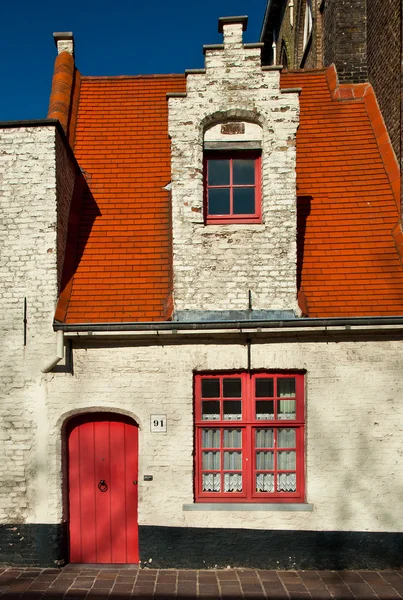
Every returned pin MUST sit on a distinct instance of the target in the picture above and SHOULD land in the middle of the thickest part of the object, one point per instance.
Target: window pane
(244, 201)
(211, 482)
(286, 409)
(210, 388)
(233, 460)
(286, 438)
(243, 171)
(211, 410)
(265, 461)
(264, 482)
(286, 460)
(286, 387)
(232, 482)
(232, 438)
(218, 201)
(210, 438)
(264, 388)
(232, 388)
(286, 482)
(232, 410)
(264, 409)
(264, 438)
(218, 172)
(211, 460)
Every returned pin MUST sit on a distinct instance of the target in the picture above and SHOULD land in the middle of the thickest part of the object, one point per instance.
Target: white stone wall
(28, 269)
(216, 265)
(354, 428)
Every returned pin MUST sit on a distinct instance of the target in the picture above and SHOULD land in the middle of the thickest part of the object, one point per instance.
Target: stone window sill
(244, 506)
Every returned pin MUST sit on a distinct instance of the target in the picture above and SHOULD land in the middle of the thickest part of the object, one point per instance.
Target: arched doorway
(102, 453)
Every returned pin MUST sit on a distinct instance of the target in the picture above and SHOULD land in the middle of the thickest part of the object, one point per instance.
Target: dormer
(233, 186)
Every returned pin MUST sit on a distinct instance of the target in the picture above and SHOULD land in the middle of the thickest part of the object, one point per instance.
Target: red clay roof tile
(348, 264)
(347, 188)
(123, 254)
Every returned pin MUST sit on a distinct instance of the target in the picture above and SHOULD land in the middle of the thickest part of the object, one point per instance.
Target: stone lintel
(236, 145)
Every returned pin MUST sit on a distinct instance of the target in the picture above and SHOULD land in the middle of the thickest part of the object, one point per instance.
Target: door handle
(135, 482)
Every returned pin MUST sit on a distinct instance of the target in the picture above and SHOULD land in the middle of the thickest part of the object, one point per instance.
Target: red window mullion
(231, 193)
(248, 426)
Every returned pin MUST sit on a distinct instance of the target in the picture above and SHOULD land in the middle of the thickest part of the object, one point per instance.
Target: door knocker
(102, 485)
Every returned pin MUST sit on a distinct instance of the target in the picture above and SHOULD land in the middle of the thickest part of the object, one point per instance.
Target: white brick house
(166, 398)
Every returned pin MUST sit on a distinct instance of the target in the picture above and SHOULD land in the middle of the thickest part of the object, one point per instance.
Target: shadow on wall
(83, 212)
(303, 212)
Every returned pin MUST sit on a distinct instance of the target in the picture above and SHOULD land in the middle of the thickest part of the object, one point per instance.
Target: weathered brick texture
(216, 265)
(31, 198)
(384, 67)
(345, 39)
(353, 427)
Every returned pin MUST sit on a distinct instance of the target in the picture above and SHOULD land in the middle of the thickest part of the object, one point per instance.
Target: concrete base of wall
(200, 548)
(43, 545)
(34, 545)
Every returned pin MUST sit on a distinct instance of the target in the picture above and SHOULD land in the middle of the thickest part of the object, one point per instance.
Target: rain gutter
(239, 325)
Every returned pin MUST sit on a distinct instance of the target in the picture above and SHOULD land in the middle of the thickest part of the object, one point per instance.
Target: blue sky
(120, 37)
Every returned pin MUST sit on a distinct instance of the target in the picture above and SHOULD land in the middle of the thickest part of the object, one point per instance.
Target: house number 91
(158, 423)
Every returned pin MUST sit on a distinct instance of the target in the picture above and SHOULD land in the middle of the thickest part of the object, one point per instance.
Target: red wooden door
(102, 455)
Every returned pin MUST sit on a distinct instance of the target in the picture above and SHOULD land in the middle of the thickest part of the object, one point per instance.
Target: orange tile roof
(124, 241)
(348, 201)
(348, 192)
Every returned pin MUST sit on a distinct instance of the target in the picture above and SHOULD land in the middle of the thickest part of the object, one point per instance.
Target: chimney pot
(64, 41)
(222, 21)
(232, 28)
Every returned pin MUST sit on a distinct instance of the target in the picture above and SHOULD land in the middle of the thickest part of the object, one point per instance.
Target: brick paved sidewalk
(76, 583)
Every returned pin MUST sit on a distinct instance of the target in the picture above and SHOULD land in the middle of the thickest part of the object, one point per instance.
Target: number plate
(158, 423)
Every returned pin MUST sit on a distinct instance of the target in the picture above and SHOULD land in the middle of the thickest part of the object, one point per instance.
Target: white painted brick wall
(215, 265)
(354, 428)
(28, 268)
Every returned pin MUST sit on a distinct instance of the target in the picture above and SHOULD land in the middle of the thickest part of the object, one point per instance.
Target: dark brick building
(362, 38)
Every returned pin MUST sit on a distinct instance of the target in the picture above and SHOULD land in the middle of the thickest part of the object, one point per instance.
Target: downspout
(274, 47)
(59, 352)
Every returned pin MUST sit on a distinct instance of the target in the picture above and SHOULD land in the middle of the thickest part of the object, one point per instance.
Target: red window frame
(250, 425)
(256, 217)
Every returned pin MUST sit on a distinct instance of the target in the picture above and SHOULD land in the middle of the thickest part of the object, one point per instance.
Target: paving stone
(386, 592)
(341, 592)
(321, 594)
(227, 575)
(362, 590)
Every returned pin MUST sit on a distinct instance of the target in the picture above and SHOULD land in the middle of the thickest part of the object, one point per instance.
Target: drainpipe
(274, 47)
(59, 352)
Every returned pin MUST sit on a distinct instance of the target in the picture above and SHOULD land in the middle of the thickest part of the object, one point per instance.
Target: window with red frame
(232, 187)
(249, 437)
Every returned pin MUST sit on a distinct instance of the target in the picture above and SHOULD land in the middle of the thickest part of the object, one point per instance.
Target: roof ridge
(145, 76)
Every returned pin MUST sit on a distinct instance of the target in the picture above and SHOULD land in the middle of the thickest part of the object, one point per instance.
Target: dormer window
(232, 187)
(232, 173)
